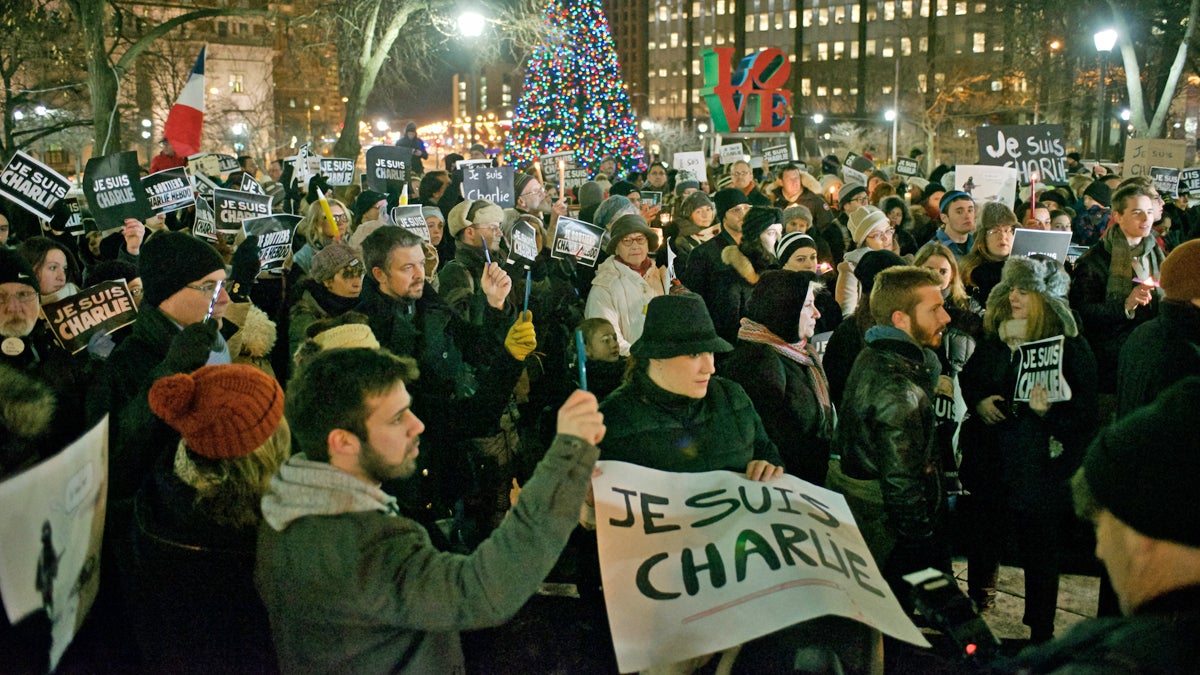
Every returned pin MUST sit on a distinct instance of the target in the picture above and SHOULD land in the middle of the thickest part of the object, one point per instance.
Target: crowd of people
(341, 466)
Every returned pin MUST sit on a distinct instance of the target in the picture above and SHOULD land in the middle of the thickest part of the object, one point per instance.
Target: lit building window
(808, 18)
(854, 49)
(889, 11)
(823, 16)
(764, 22)
(960, 9)
(906, 7)
(853, 91)
(695, 65)
(721, 39)
(839, 49)
(923, 45)
(822, 91)
(924, 10)
(943, 7)
(792, 19)
(839, 15)
(997, 44)
(906, 46)
(823, 51)
(887, 52)
(720, 7)
(979, 43)
(854, 14)
(981, 8)
(837, 91)
(707, 40)
(674, 39)
(805, 86)
(807, 56)
(997, 85)
(922, 82)
(662, 72)
(887, 89)
(870, 48)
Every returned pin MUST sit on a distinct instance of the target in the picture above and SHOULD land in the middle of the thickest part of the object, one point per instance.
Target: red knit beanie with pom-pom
(223, 412)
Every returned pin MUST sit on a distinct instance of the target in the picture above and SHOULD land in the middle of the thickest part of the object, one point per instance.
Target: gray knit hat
(332, 259)
(798, 211)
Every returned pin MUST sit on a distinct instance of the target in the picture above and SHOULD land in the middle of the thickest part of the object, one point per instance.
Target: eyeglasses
(341, 217)
(634, 240)
(882, 234)
(23, 297)
(1001, 230)
(136, 292)
(861, 199)
(741, 174)
(212, 288)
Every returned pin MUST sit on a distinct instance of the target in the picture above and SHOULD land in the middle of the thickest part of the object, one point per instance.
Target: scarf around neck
(1120, 267)
(752, 331)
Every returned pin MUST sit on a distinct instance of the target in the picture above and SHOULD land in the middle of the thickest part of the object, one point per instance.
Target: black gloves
(191, 348)
(246, 266)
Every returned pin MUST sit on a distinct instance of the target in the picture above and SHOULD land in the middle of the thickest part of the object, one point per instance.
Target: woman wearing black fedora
(673, 413)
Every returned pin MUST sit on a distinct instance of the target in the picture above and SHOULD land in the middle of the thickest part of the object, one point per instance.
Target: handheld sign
(1143, 153)
(987, 183)
(694, 563)
(1042, 364)
(652, 198)
(235, 206)
(32, 185)
(577, 239)
(907, 167)
(522, 244)
(205, 225)
(339, 171)
(1166, 180)
(1050, 243)
(777, 154)
(858, 163)
(169, 190)
(581, 358)
(227, 163)
(574, 177)
(1029, 148)
(68, 216)
(274, 239)
(75, 319)
(550, 163)
(689, 166)
(852, 175)
(731, 153)
(463, 163)
(204, 163)
(409, 217)
(113, 187)
(250, 185)
(493, 183)
(204, 185)
(1189, 181)
(387, 168)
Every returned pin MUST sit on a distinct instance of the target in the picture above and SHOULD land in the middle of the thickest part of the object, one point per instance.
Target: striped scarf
(800, 352)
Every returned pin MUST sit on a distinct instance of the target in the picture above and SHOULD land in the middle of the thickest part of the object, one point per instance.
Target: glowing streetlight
(889, 115)
(702, 127)
(40, 110)
(818, 118)
(381, 126)
(1126, 114)
(1104, 40)
(238, 128)
(147, 123)
(471, 24)
(18, 115)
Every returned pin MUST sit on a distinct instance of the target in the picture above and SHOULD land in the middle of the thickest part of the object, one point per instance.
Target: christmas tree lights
(574, 98)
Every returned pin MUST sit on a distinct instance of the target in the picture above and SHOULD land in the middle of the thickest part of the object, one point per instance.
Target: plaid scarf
(1120, 268)
(800, 352)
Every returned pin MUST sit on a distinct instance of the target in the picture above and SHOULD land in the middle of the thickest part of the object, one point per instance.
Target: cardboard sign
(777, 154)
(250, 185)
(693, 563)
(234, 206)
(576, 239)
(338, 170)
(1050, 243)
(1030, 149)
(1143, 153)
(549, 164)
(409, 217)
(205, 225)
(32, 185)
(1166, 180)
(387, 168)
(113, 187)
(689, 166)
(1189, 181)
(75, 319)
(51, 529)
(907, 167)
(169, 190)
(987, 183)
(68, 216)
(651, 198)
(1042, 363)
(493, 183)
(522, 244)
(731, 153)
(274, 239)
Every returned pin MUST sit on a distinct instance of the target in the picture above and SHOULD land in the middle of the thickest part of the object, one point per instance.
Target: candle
(562, 178)
(1032, 191)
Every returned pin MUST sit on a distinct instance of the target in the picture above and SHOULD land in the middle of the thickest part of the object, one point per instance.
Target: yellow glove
(521, 340)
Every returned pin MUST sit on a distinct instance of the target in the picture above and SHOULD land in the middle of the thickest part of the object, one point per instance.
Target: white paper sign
(696, 563)
(690, 166)
(731, 153)
(987, 183)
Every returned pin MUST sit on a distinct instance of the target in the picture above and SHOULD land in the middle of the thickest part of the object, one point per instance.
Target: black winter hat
(365, 200)
(873, 263)
(623, 188)
(727, 199)
(1100, 192)
(777, 300)
(677, 325)
(15, 269)
(1142, 468)
(758, 219)
(171, 260)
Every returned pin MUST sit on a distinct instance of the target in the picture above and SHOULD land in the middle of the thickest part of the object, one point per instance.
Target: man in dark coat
(1165, 349)
(887, 441)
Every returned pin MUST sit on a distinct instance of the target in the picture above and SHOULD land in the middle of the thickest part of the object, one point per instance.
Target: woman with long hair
(981, 267)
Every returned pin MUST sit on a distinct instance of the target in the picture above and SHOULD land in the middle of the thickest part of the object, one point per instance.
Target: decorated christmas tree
(574, 98)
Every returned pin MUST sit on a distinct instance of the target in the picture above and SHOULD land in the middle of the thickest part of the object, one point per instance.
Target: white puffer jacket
(620, 295)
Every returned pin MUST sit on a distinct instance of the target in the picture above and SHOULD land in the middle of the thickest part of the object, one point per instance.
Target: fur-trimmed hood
(735, 258)
(1042, 276)
(26, 404)
(256, 331)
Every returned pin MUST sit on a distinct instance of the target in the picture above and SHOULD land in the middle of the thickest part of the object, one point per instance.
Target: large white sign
(696, 563)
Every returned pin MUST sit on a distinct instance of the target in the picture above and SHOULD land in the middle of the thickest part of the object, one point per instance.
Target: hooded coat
(620, 295)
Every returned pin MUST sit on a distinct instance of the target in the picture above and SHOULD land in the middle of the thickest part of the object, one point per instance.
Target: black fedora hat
(677, 325)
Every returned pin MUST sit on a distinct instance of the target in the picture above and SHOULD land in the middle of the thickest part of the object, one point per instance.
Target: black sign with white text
(339, 171)
(387, 168)
(493, 183)
(32, 185)
(1031, 149)
(113, 187)
(169, 190)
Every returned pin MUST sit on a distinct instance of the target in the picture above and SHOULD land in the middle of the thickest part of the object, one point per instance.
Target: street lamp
(471, 25)
(891, 116)
(818, 118)
(1104, 40)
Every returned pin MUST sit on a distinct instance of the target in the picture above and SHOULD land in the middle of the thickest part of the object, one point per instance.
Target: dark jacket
(1105, 324)
(459, 283)
(1010, 462)
(886, 434)
(703, 266)
(783, 396)
(840, 353)
(315, 304)
(1157, 354)
(652, 427)
(1161, 636)
(191, 593)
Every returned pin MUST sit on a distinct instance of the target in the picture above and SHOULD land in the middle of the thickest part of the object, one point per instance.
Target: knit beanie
(798, 212)
(849, 191)
(694, 201)
(15, 269)
(171, 260)
(863, 221)
(790, 242)
(223, 412)
(683, 186)
(1100, 192)
(1180, 272)
(332, 259)
(428, 211)
(520, 182)
(1142, 468)
(347, 336)
(630, 224)
(727, 199)
(590, 193)
(365, 200)
(777, 300)
(623, 188)
(610, 209)
(871, 264)
(758, 219)
(953, 196)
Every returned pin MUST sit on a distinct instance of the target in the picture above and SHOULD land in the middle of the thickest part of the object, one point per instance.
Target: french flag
(187, 115)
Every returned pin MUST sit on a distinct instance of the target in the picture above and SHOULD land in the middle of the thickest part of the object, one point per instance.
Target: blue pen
(582, 354)
(528, 283)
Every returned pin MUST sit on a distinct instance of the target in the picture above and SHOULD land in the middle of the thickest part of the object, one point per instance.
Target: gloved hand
(190, 349)
(246, 266)
(521, 339)
(100, 345)
(318, 182)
